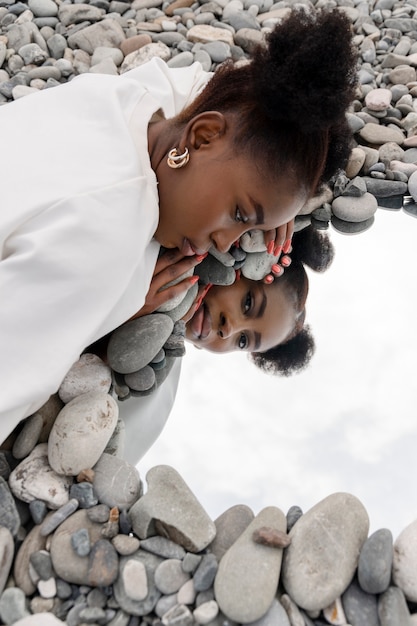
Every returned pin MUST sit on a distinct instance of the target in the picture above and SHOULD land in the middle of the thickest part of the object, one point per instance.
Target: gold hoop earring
(176, 160)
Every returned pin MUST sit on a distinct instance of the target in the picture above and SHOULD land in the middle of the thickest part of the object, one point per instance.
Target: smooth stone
(134, 43)
(375, 562)
(129, 605)
(184, 306)
(40, 619)
(294, 614)
(135, 580)
(412, 185)
(163, 547)
(76, 13)
(116, 482)
(81, 432)
(378, 99)
(275, 616)
(205, 33)
(183, 59)
(210, 270)
(360, 607)
(31, 53)
(169, 576)
(179, 614)
(169, 508)
(253, 241)
(103, 564)
(190, 562)
(134, 344)
(351, 228)
(43, 8)
(384, 188)
(89, 373)
(67, 564)
(6, 555)
(9, 515)
(41, 561)
(257, 265)
(99, 513)
(402, 74)
(377, 134)
(334, 613)
(355, 163)
(106, 33)
(175, 301)
(34, 479)
(28, 436)
(205, 573)
(352, 209)
(389, 152)
(218, 51)
(144, 54)
(244, 594)
(33, 542)
(116, 444)
(84, 494)
(80, 542)
(49, 412)
(13, 605)
(44, 72)
(404, 572)
(205, 613)
(229, 526)
(187, 593)
(102, 53)
(53, 521)
(324, 551)
(125, 544)
(142, 380)
(392, 608)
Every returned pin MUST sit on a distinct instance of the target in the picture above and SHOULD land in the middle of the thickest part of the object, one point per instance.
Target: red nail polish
(268, 279)
(270, 247)
(277, 251)
(200, 257)
(287, 246)
(194, 279)
(286, 261)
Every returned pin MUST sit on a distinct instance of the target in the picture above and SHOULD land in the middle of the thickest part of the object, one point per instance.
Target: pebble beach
(84, 538)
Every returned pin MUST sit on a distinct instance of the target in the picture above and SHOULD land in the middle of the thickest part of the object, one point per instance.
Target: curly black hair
(314, 249)
(289, 103)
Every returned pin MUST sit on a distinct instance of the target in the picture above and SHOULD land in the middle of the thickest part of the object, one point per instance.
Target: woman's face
(217, 197)
(247, 315)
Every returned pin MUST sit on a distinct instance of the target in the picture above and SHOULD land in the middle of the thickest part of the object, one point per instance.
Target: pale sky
(348, 423)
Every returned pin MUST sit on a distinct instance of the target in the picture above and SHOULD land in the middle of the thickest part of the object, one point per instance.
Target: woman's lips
(188, 249)
(201, 323)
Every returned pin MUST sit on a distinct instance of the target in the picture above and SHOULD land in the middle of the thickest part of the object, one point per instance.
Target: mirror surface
(347, 423)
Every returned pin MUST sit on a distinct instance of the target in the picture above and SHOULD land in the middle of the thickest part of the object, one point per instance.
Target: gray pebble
(375, 562)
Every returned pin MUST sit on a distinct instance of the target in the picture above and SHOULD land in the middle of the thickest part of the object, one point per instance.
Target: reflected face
(216, 198)
(247, 315)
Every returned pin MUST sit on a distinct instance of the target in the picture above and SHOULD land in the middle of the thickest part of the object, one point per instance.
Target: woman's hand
(170, 265)
(278, 240)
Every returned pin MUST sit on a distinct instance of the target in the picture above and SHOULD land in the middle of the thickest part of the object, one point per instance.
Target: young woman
(102, 170)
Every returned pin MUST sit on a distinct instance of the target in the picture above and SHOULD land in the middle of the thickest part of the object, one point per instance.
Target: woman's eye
(242, 342)
(239, 217)
(248, 302)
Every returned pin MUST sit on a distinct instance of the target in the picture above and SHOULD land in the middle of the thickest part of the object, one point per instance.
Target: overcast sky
(349, 423)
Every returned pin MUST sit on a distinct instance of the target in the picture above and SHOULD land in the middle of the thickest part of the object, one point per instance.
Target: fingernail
(276, 269)
(287, 246)
(194, 279)
(268, 279)
(285, 261)
(270, 247)
(201, 257)
(277, 250)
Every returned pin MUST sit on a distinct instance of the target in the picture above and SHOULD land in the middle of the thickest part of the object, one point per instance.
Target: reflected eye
(247, 305)
(239, 217)
(242, 342)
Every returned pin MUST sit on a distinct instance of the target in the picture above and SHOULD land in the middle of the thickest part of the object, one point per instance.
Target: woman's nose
(224, 239)
(225, 327)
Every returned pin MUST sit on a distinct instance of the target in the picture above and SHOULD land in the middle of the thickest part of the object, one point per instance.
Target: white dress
(78, 210)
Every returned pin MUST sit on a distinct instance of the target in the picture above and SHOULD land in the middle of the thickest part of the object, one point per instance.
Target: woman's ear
(204, 129)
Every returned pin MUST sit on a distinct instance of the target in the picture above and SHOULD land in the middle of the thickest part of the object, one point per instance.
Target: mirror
(347, 423)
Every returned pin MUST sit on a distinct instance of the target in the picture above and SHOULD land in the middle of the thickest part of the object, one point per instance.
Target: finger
(168, 257)
(163, 296)
(287, 247)
(285, 260)
(176, 271)
(280, 239)
(269, 238)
